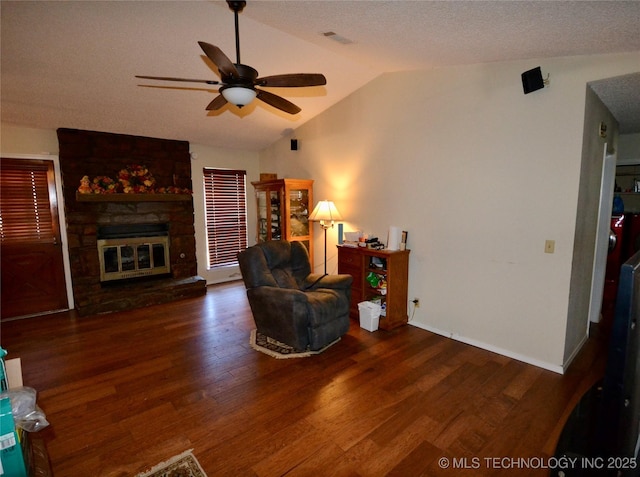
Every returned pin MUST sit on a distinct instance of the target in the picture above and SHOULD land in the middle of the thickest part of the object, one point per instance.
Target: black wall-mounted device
(532, 80)
(294, 144)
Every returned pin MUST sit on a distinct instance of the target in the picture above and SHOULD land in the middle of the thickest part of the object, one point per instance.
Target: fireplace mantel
(131, 197)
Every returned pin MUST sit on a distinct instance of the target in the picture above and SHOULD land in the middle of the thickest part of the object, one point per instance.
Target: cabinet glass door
(276, 215)
(299, 212)
(284, 206)
(263, 210)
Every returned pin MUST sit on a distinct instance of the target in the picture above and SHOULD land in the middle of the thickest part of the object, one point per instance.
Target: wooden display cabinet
(284, 206)
(392, 266)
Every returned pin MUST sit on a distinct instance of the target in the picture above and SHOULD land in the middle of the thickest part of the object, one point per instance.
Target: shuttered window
(226, 215)
(25, 208)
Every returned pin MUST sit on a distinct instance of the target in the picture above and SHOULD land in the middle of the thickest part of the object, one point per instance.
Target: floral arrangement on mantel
(133, 179)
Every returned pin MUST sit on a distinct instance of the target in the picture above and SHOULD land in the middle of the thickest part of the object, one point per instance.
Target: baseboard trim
(494, 349)
(575, 352)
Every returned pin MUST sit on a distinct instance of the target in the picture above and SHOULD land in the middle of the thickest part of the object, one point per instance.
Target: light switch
(549, 246)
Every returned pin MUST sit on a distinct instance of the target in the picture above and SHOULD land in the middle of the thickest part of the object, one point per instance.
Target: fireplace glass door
(133, 257)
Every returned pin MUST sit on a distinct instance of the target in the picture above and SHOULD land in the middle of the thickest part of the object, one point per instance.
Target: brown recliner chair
(289, 303)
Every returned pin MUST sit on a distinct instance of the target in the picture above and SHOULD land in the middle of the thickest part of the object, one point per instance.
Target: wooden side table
(393, 266)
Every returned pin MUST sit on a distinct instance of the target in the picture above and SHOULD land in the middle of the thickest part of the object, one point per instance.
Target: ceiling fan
(239, 81)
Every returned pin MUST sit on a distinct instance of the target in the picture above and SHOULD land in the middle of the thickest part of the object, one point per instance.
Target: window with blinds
(25, 207)
(225, 214)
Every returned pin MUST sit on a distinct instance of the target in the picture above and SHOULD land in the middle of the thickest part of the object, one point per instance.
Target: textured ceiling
(622, 95)
(72, 64)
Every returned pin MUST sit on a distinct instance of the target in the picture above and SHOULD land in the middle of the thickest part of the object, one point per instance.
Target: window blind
(225, 214)
(25, 208)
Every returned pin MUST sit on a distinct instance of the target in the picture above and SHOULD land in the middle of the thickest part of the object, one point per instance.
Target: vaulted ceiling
(73, 63)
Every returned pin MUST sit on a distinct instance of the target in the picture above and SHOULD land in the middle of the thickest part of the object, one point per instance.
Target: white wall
(21, 140)
(629, 149)
(480, 175)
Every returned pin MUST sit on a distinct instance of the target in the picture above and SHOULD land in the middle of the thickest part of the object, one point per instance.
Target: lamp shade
(238, 95)
(325, 211)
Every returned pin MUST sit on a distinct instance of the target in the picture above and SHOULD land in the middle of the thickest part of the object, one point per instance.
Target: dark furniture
(289, 303)
(392, 266)
(602, 433)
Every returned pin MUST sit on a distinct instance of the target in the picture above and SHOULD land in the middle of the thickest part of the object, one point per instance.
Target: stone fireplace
(91, 218)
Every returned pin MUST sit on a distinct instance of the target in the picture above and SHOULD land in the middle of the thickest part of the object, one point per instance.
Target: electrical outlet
(416, 302)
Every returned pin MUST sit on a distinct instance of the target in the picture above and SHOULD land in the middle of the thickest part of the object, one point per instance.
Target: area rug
(279, 350)
(183, 465)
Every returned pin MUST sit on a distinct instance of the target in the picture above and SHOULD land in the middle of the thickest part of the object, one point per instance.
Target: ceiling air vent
(339, 38)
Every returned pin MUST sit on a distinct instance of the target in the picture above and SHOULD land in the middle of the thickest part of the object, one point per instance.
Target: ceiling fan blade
(215, 54)
(278, 102)
(292, 80)
(167, 78)
(218, 102)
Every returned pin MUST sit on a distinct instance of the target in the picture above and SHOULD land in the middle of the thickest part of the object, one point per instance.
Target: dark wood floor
(127, 390)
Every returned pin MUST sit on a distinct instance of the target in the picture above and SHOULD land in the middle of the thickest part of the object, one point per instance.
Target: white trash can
(369, 315)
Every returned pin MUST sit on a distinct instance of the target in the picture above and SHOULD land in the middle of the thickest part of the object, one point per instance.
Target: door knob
(613, 240)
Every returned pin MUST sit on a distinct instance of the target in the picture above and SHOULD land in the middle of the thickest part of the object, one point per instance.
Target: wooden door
(32, 270)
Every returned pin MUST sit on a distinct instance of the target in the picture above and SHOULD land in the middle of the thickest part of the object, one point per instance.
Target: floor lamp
(326, 213)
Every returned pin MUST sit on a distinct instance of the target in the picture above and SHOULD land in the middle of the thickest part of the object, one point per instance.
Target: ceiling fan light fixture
(238, 95)
(239, 82)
